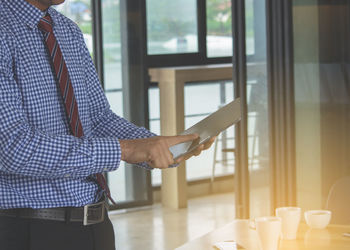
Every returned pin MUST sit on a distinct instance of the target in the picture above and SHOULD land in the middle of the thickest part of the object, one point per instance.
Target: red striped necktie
(66, 88)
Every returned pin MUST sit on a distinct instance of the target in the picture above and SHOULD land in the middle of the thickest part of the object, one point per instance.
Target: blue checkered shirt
(41, 164)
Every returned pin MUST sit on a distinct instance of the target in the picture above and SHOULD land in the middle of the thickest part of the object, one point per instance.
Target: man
(58, 134)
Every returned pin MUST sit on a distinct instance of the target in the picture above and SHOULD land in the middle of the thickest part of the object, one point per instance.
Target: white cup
(269, 230)
(318, 218)
(290, 221)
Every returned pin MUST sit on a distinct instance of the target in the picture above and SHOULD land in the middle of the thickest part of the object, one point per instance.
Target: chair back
(339, 201)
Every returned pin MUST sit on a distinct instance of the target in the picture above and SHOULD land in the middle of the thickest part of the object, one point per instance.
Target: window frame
(186, 59)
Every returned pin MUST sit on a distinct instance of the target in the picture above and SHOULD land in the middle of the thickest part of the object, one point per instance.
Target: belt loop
(68, 214)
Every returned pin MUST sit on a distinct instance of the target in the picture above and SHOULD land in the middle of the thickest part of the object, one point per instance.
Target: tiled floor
(157, 228)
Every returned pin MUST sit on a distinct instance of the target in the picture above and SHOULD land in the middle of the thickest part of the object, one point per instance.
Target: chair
(339, 201)
(215, 161)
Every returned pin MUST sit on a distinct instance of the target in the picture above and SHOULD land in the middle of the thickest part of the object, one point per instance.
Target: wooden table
(330, 238)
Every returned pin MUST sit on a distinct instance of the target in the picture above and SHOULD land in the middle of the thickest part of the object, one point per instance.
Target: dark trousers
(34, 234)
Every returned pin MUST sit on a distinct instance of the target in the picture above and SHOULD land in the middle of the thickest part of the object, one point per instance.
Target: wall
(307, 104)
(322, 99)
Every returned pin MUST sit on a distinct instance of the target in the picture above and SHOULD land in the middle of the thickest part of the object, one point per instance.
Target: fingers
(209, 143)
(160, 157)
(155, 150)
(198, 150)
(162, 162)
(173, 140)
(180, 159)
(187, 156)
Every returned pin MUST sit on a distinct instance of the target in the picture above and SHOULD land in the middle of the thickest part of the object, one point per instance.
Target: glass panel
(115, 99)
(116, 179)
(219, 28)
(322, 99)
(250, 29)
(121, 182)
(127, 184)
(111, 45)
(80, 13)
(117, 185)
(154, 124)
(257, 93)
(201, 99)
(168, 31)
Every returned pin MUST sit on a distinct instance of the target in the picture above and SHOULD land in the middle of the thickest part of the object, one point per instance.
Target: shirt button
(105, 169)
(67, 175)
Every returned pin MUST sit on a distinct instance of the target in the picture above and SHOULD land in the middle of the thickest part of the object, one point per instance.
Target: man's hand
(155, 150)
(198, 150)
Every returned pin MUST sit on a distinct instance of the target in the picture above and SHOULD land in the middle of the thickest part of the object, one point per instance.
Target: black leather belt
(89, 214)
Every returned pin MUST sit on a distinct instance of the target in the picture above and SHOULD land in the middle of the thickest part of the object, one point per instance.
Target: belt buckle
(89, 221)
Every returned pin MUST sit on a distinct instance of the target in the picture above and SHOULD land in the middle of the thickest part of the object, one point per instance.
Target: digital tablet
(210, 126)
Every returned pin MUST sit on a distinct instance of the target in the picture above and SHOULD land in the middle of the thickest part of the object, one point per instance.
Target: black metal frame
(239, 62)
(98, 38)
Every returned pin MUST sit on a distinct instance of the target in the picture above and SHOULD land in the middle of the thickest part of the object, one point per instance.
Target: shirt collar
(29, 14)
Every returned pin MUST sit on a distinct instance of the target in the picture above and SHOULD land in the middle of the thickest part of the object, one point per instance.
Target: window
(165, 49)
(80, 12)
(200, 34)
(171, 26)
(219, 28)
(112, 72)
(201, 99)
(250, 30)
(112, 62)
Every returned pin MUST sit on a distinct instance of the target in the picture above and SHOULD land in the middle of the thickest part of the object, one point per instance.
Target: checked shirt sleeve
(105, 122)
(27, 151)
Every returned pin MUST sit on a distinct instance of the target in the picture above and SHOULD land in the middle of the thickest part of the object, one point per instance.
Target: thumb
(173, 140)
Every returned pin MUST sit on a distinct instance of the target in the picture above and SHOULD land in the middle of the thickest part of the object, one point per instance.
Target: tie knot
(45, 23)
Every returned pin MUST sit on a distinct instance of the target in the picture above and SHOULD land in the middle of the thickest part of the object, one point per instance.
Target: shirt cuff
(107, 154)
(148, 167)
(174, 165)
(144, 165)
